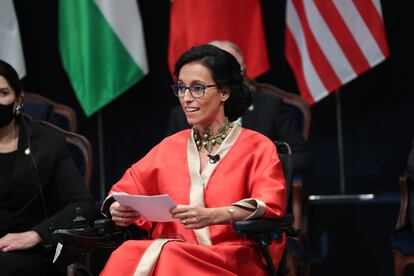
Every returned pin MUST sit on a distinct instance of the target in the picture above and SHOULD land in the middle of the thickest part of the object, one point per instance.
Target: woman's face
(207, 110)
(7, 94)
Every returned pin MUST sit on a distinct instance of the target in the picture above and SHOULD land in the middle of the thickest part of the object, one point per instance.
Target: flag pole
(342, 184)
(101, 149)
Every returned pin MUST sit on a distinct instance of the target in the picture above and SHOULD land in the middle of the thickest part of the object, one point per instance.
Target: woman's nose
(187, 95)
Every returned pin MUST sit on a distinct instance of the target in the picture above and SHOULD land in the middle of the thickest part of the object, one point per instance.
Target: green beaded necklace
(208, 140)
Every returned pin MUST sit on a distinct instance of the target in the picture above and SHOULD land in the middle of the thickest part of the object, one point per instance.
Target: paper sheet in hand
(151, 208)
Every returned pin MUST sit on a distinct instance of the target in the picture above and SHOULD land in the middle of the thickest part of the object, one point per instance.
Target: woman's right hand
(123, 215)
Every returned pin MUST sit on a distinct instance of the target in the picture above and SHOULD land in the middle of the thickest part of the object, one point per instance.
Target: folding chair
(402, 239)
(80, 150)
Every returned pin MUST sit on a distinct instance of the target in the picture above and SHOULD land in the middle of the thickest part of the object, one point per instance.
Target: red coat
(248, 169)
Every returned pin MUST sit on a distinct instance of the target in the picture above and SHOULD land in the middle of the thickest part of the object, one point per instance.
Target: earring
(19, 109)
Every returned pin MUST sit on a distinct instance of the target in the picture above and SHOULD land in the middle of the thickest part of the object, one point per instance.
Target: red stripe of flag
(374, 22)
(293, 56)
(318, 58)
(343, 36)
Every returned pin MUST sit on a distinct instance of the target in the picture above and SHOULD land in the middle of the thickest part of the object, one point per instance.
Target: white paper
(152, 208)
(57, 251)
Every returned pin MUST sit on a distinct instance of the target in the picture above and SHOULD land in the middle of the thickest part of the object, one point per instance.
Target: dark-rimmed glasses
(196, 90)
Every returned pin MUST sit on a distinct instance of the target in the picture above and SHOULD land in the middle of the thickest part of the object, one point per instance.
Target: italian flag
(102, 47)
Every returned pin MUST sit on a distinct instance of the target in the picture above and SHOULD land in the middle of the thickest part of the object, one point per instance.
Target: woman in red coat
(217, 172)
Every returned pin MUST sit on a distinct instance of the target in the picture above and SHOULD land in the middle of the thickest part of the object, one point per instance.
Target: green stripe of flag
(97, 63)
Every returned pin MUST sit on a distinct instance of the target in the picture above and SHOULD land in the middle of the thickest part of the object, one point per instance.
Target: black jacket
(268, 116)
(43, 160)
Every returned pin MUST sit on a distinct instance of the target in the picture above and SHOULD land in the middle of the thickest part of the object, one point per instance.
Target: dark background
(377, 112)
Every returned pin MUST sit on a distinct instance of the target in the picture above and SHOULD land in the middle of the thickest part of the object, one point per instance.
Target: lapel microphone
(213, 158)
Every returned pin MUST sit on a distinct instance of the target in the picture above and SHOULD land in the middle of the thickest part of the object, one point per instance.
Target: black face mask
(6, 114)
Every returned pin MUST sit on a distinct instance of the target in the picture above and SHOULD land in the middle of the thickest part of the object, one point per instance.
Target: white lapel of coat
(199, 181)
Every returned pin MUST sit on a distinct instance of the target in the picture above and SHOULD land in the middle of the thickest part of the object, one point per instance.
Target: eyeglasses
(196, 90)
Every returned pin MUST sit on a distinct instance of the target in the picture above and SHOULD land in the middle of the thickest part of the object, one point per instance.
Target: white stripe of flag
(317, 54)
(122, 19)
(11, 49)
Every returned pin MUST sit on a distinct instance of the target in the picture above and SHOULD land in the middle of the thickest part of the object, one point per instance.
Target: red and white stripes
(331, 42)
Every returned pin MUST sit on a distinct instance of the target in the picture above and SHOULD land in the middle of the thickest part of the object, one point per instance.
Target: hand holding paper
(152, 208)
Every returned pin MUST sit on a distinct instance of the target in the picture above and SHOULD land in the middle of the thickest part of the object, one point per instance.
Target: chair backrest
(299, 110)
(298, 107)
(406, 214)
(284, 152)
(80, 149)
(40, 108)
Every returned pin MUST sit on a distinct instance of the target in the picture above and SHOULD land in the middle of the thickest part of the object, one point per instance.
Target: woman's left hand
(193, 217)
(19, 241)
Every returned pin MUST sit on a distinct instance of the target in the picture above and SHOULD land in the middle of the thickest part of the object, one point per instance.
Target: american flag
(330, 42)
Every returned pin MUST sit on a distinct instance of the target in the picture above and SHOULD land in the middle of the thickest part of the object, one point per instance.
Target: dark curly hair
(8, 72)
(226, 73)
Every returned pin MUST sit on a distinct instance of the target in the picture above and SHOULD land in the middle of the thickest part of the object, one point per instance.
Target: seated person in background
(218, 173)
(410, 165)
(40, 186)
(267, 115)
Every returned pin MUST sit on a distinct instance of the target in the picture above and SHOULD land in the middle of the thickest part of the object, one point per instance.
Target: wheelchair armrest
(81, 238)
(104, 234)
(266, 226)
(80, 235)
(104, 226)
